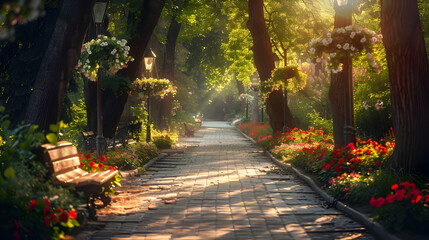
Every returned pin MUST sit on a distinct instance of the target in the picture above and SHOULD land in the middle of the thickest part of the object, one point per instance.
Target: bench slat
(62, 152)
(67, 164)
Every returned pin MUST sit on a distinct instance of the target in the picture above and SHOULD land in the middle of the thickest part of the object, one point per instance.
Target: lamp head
(99, 11)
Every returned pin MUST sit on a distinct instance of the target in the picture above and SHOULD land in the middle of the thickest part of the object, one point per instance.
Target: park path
(221, 187)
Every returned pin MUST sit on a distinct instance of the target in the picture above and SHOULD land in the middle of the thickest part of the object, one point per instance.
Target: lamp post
(99, 12)
(344, 18)
(149, 62)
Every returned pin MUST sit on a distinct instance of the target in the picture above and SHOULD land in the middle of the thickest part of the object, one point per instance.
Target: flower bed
(353, 173)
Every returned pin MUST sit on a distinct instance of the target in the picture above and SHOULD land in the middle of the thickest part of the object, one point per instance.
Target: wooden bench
(188, 131)
(63, 163)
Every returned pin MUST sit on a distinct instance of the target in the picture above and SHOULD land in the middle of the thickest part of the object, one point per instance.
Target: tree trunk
(21, 60)
(168, 70)
(264, 61)
(409, 83)
(240, 89)
(56, 69)
(113, 104)
(337, 88)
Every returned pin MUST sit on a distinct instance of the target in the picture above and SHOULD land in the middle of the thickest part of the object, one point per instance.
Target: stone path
(223, 187)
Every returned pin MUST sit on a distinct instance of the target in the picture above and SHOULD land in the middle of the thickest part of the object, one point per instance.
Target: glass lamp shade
(99, 11)
(148, 63)
(149, 60)
(342, 2)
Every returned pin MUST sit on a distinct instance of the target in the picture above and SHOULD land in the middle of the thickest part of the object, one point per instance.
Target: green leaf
(52, 138)
(53, 127)
(9, 173)
(2, 108)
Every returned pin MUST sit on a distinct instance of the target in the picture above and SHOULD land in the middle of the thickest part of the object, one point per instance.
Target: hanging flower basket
(340, 42)
(289, 77)
(109, 53)
(152, 86)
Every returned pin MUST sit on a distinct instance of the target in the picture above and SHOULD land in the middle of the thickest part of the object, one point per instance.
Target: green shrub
(162, 142)
(31, 206)
(145, 152)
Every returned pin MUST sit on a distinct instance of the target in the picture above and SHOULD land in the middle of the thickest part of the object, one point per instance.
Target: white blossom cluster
(109, 53)
(341, 42)
(246, 97)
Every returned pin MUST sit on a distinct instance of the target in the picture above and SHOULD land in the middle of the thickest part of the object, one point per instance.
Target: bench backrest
(60, 158)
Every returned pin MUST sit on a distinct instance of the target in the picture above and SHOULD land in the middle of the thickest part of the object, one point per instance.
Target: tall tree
(409, 83)
(57, 65)
(264, 59)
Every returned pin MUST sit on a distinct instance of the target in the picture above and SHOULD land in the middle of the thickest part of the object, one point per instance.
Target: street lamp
(344, 18)
(149, 62)
(99, 12)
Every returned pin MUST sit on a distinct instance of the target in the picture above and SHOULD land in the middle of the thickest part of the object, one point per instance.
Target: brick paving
(221, 187)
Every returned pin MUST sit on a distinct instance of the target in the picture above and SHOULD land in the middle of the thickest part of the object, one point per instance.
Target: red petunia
(64, 217)
(390, 198)
(377, 203)
(32, 205)
(73, 214)
(394, 186)
(103, 158)
(100, 165)
(88, 156)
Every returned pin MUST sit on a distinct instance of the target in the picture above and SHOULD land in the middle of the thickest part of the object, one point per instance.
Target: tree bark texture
(337, 88)
(22, 63)
(113, 104)
(409, 83)
(168, 72)
(58, 63)
(264, 61)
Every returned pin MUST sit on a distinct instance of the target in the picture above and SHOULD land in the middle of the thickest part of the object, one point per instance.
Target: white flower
(339, 46)
(308, 60)
(333, 54)
(325, 42)
(89, 51)
(346, 46)
(330, 40)
(113, 38)
(352, 35)
(363, 40)
(328, 35)
(374, 64)
(365, 105)
(113, 51)
(349, 28)
(103, 44)
(374, 39)
(87, 60)
(352, 48)
(312, 50)
(318, 60)
(369, 56)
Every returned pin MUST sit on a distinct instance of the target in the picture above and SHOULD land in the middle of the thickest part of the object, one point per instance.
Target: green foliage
(290, 76)
(319, 122)
(145, 152)
(162, 142)
(25, 181)
(373, 112)
(78, 125)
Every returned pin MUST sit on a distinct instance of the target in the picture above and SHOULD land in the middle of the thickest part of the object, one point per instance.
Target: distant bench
(63, 163)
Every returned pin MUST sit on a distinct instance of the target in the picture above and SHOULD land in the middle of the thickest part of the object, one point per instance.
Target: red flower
(416, 199)
(32, 205)
(47, 223)
(390, 198)
(341, 161)
(377, 203)
(377, 163)
(100, 165)
(73, 214)
(400, 195)
(394, 186)
(91, 164)
(103, 158)
(426, 198)
(54, 218)
(88, 156)
(64, 217)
